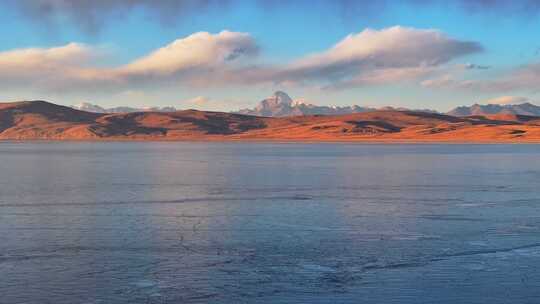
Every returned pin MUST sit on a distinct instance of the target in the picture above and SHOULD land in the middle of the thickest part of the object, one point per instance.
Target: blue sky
(286, 44)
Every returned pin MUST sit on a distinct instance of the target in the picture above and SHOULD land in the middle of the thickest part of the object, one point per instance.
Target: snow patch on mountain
(88, 107)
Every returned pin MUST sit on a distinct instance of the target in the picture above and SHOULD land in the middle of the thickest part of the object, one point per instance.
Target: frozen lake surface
(269, 223)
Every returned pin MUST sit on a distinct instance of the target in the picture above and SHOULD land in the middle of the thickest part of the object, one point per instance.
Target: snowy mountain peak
(280, 97)
(280, 104)
(88, 107)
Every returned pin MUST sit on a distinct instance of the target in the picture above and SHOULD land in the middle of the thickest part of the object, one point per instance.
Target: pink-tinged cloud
(199, 50)
(25, 62)
(507, 100)
(371, 57)
(524, 78)
(74, 66)
(69, 54)
(380, 56)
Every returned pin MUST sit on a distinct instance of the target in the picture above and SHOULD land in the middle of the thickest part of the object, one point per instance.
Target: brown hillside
(43, 120)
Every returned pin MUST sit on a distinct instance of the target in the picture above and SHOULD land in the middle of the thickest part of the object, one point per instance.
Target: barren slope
(43, 120)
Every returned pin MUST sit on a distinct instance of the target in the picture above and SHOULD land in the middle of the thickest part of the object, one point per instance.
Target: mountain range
(281, 105)
(88, 107)
(495, 109)
(41, 120)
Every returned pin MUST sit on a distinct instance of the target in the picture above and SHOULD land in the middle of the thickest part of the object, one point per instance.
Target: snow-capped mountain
(277, 105)
(280, 104)
(88, 107)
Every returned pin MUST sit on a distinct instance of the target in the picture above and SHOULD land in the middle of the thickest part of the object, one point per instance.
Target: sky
(229, 54)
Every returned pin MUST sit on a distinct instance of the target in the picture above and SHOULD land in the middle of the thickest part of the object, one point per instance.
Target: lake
(269, 223)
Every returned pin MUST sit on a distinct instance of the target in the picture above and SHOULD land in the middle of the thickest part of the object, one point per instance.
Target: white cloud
(73, 66)
(439, 82)
(71, 53)
(199, 50)
(507, 100)
(35, 63)
(199, 100)
(371, 57)
(388, 75)
(382, 53)
(208, 103)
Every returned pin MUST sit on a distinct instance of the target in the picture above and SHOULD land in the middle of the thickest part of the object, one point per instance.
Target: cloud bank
(35, 66)
(92, 16)
(380, 56)
(74, 66)
(396, 54)
(200, 50)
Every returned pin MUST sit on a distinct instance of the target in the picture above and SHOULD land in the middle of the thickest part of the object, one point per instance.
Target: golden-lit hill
(34, 120)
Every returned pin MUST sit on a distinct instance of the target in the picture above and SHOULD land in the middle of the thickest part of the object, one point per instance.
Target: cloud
(373, 9)
(440, 82)
(506, 7)
(387, 55)
(71, 53)
(472, 66)
(201, 59)
(199, 100)
(91, 16)
(506, 100)
(207, 103)
(370, 57)
(39, 65)
(74, 66)
(524, 78)
(199, 50)
(386, 76)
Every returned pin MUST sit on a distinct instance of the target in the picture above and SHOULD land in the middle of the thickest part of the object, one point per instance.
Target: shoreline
(280, 141)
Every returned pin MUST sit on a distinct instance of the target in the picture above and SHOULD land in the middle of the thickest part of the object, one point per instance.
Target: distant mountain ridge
(281, 105)
(88, 107)
(527, 109)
